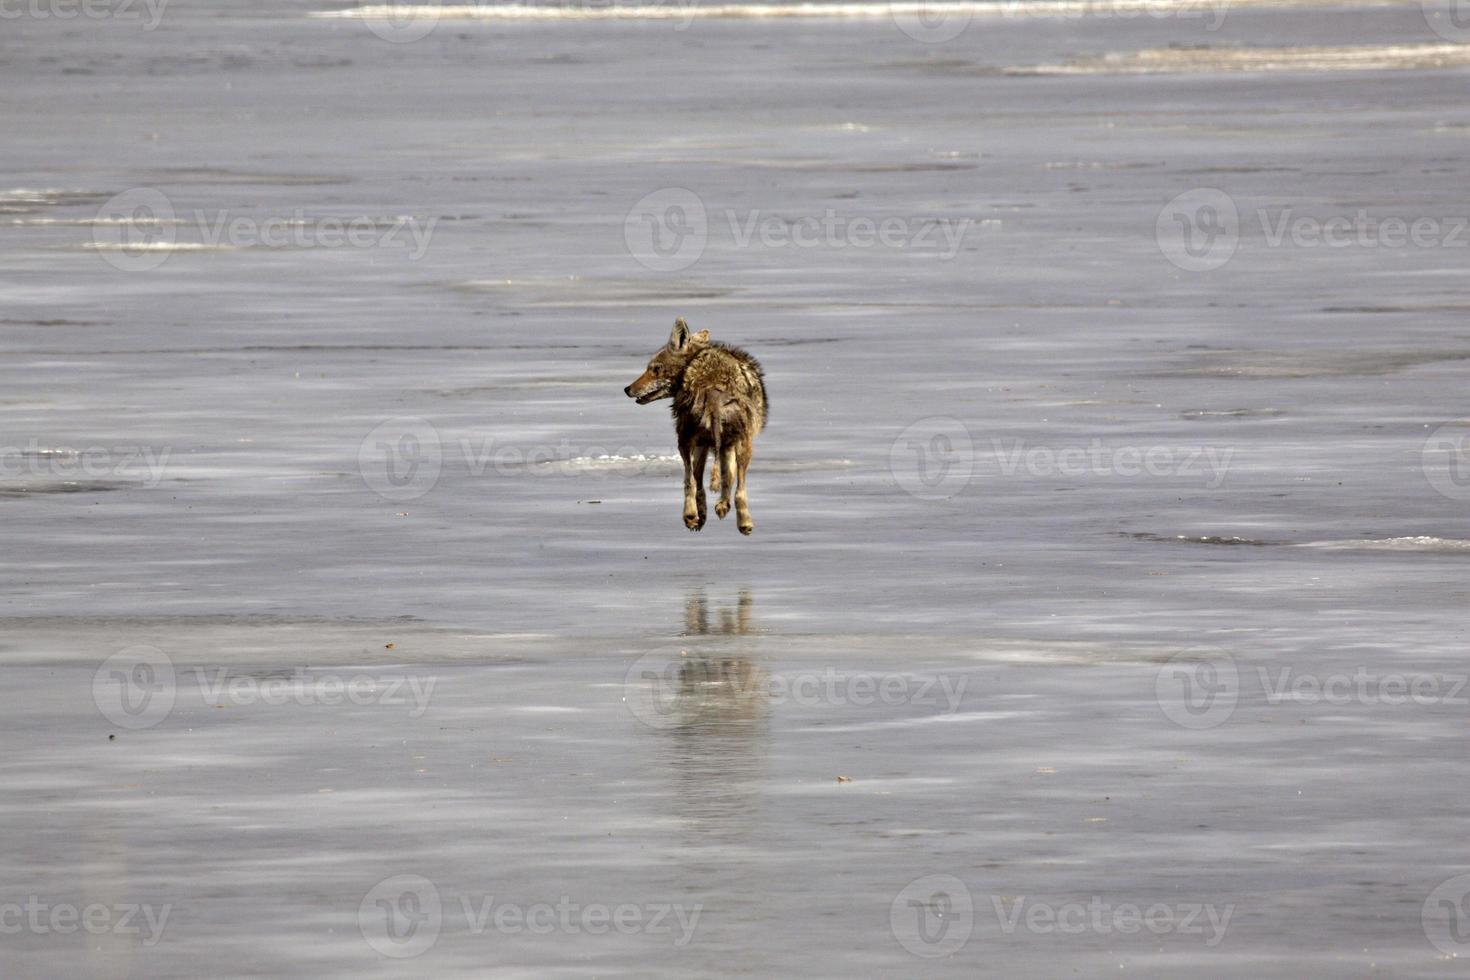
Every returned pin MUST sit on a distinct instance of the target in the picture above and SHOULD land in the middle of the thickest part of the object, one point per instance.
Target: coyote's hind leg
(742, 507)
(726, 462)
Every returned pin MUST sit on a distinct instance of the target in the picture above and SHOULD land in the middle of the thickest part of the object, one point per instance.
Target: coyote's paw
(722, 508)
(747, 526)
(694, 521)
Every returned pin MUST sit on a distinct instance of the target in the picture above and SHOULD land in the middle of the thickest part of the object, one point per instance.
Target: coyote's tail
(714, 411)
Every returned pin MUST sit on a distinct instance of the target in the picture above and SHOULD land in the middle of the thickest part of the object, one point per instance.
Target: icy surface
(617, 712)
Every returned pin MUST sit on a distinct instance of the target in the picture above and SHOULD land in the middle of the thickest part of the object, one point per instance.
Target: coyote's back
(719, 406)
(722, 381)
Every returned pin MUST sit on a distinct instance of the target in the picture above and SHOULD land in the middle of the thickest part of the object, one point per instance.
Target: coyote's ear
(699, 338)
(680, 336)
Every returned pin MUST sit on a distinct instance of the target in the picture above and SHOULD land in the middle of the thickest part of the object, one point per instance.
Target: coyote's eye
(653, 370)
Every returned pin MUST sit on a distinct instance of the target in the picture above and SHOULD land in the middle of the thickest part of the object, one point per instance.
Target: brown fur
(719, 406)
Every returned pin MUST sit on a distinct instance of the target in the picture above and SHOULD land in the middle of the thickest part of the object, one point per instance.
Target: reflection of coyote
(719, 398)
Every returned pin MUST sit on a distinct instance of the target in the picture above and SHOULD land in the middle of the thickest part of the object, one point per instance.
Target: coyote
(719, 398)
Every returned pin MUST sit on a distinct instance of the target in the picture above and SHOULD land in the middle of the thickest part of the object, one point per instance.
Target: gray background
(1063, 603)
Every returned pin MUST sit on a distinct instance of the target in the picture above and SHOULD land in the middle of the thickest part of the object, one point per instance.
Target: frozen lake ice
(1106, 605)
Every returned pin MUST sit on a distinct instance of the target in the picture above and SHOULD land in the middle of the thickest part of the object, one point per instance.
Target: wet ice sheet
(702, 777)
(188, 478)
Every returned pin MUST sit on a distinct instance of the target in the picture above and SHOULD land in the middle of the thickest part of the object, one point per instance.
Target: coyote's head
(667, 365)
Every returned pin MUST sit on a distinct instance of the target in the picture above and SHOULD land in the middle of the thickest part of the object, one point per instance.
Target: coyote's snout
(719, 406)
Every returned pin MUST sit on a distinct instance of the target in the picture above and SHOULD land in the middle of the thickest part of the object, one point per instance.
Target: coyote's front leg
(699, 453)
(694, 502)
(692, 518)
